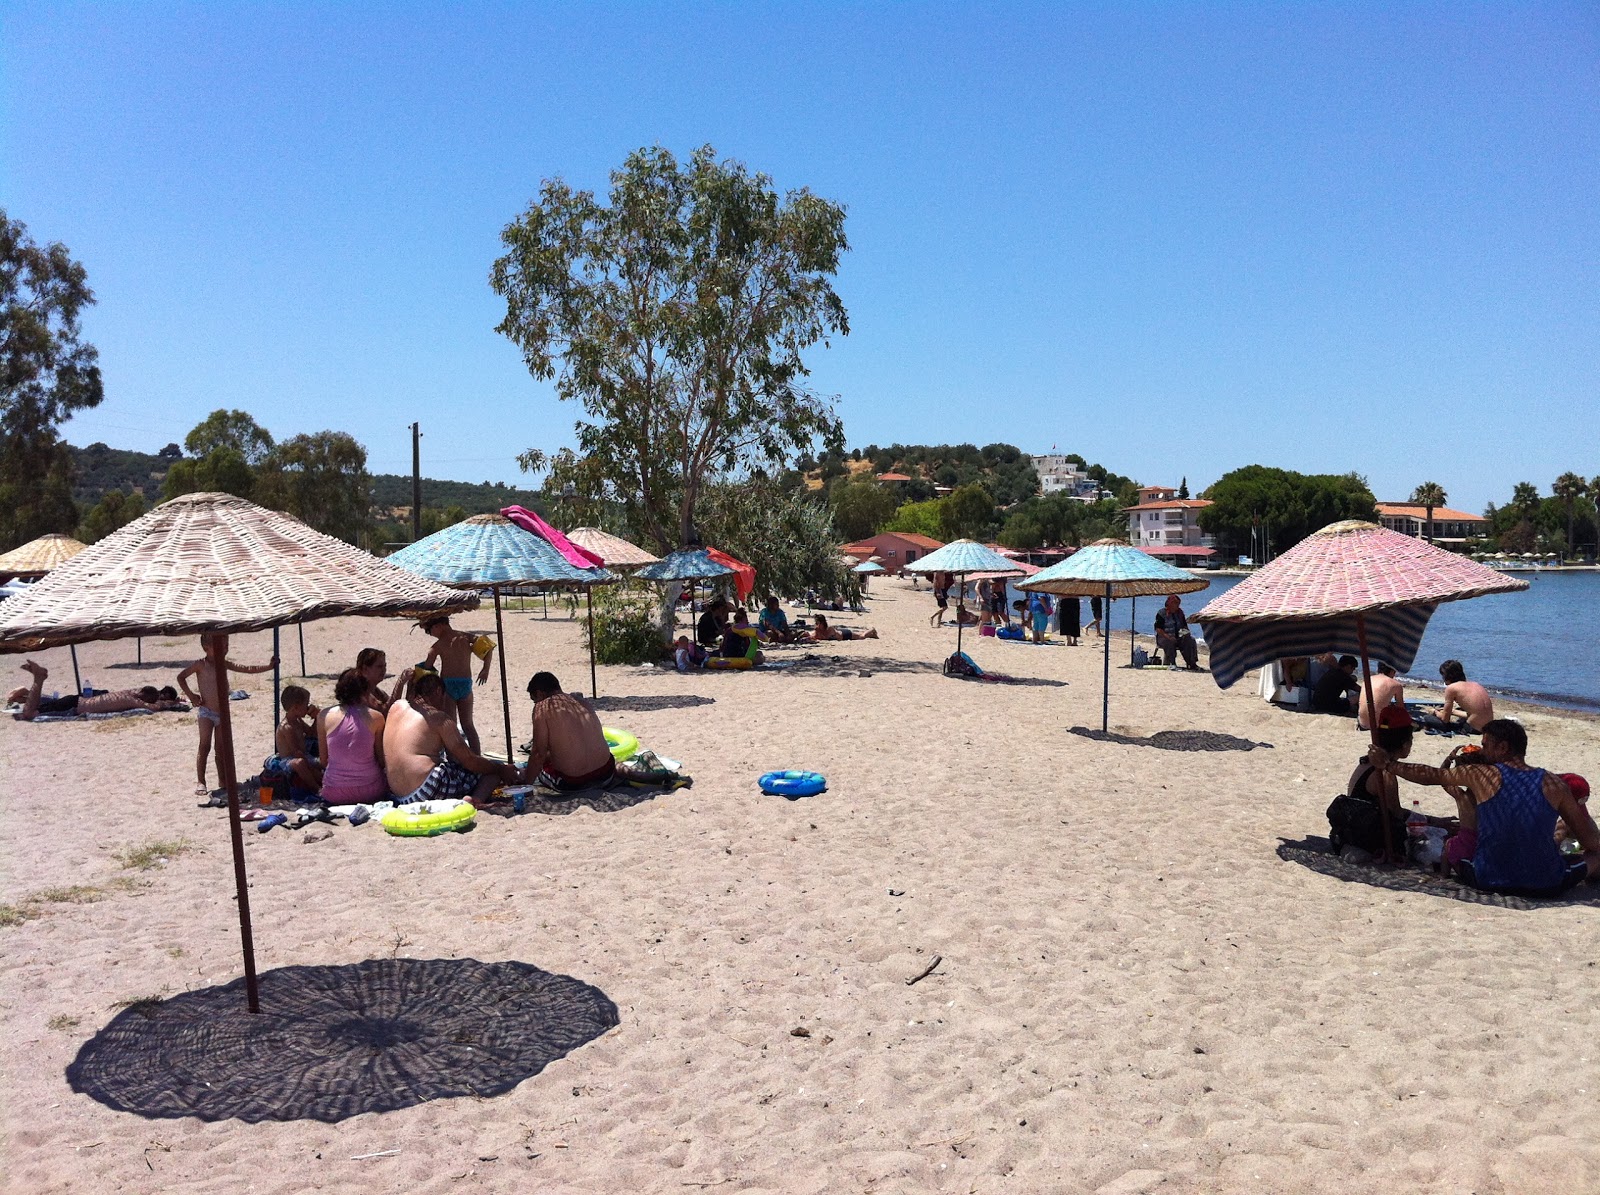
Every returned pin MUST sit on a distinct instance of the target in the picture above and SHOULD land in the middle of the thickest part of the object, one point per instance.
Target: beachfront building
(1164, 524)
(1451, 528)
(1058, 475)
(894, 549)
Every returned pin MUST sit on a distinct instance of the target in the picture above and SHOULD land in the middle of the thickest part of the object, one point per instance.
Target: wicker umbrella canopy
(212, 564)
(614, 551)
(1352, 587)
(39, 556)
(1110, 568)
(488, 551)
(964, 556)
(686, 564)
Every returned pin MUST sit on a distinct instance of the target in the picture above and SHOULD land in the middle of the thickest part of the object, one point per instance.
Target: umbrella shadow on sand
(340, 1041)
(1316, 854)
(644, 705)
(1173, 740)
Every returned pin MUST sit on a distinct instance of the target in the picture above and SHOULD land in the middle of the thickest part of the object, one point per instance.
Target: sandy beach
(1136, 992)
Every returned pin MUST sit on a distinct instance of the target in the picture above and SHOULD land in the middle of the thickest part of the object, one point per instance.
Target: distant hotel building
(1058, 475)
(1451, 528)
(1164, 524)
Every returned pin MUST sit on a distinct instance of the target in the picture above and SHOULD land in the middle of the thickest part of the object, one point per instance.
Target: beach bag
(1140, 657)
(987, 630)
(1355, 822)
(961, 664)
(1010, 633)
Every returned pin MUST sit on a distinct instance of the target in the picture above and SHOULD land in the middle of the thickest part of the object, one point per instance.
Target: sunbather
(34, 703)
(821, 632)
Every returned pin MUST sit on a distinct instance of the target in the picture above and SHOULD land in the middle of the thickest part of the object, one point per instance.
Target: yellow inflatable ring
(736, 662)
(427, 818)
(623, 745)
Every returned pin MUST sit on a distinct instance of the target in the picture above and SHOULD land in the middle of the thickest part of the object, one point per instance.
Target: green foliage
(1021, 533)
(113, 512)
(234, 431)
(676, 315)
(99, 469)
(967, 513)
(221, 471)
(320, 479)
(626, 630)
(47, 373)
(1286, 505)
(391, 490)
(788, 537)
(1062, 521)
(1429, 495)
(861, 508)
(918, 518)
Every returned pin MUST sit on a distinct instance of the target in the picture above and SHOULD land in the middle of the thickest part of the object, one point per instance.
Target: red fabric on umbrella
(744, 575)
(575, 556)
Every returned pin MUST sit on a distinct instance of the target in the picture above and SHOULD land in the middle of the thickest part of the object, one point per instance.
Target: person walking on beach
(1067, 616)
(454, 650)
(1095, 614)
(941, 597)
(207, 702)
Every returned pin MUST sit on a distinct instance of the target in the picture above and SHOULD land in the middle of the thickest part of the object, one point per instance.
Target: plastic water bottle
(1416, 820)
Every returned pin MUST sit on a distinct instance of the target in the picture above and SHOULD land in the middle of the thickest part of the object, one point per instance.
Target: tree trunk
(1430, 524)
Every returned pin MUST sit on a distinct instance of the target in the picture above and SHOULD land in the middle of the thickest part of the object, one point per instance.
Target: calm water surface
(1538, 645)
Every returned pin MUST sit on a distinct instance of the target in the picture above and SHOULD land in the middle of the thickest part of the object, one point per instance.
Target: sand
(1136, 992)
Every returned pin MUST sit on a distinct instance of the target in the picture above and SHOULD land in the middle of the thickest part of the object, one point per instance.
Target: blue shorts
(277, 765)
(459, 687)
(1041, 623)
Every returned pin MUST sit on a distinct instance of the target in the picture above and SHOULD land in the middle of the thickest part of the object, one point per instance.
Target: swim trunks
(277, 765)
(551, 778)
(459, 687)
(202, 714)
(448, 779)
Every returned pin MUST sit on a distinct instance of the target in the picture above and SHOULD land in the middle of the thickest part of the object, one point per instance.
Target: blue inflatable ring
(793, 784)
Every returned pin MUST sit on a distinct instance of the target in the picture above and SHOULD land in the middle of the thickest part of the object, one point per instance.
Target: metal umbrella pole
(77, 684)
(1133, 627)
(1372, 718)
(1105, 680)
(277, 679)
(301, 627)
(505, 690)
(594, 684)
(218, 651)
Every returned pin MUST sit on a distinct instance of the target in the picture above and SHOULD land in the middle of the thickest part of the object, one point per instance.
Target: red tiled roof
(1441, 514)
(1171, 504)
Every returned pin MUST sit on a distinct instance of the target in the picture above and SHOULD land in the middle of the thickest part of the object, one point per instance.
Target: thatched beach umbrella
(213, 564)
(613, 551)
(1110, 569)
(39, 556)
(488, 552)
(965, 557)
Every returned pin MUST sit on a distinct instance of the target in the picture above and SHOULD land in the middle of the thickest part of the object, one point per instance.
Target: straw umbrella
(613, 551)
(1109, 568)
(965, 557)
(36, 558)
(488, 552)
(214, 564)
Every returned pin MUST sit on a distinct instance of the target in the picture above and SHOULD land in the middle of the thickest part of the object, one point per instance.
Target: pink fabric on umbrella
(528, 521)
(744, 575)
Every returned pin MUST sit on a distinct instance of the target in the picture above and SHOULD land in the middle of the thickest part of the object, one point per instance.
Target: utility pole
(416, 482)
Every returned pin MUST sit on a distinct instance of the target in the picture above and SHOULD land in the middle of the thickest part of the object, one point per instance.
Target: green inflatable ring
(623, 745)
(424, 819)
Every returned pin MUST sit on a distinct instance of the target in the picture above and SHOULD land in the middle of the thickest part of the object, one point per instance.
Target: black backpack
(1357, 821)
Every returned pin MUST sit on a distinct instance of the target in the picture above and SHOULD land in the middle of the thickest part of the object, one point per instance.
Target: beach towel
(571, 552)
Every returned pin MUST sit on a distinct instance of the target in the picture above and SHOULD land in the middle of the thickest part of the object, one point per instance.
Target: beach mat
(101, 717)
(1317, 855)
(614, 797)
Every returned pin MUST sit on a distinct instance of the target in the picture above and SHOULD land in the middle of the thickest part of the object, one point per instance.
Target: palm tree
(1525, 497)
(1569, 487)
(1428, 495)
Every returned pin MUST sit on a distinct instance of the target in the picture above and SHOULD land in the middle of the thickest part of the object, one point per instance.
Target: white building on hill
(1058, 475)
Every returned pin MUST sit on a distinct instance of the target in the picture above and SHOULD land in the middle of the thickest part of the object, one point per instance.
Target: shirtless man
(424, 755)
(821, 632)
(206, 704)
(1473, 699)
(33, 703)
(569, 748)
(454, 650)
(1386, 691)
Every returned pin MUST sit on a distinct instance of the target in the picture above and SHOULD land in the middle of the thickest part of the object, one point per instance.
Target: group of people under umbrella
(216, 565)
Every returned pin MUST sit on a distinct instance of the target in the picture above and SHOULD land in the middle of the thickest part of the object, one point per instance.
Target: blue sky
(1174, 238)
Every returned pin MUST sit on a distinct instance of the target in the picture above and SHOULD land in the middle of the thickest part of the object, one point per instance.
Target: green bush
(625, 628)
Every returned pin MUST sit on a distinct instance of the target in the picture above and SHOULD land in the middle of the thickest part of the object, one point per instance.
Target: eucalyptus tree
(676, 315)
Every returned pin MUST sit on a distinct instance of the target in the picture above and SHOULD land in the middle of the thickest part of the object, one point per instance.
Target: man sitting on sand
(1336, 691)
(1473, 699)
(821, 632)
(1517, 807)
(570, 751)
(425, 758)
(1173, 636)
(774, 624)
(34, 703)
(1386, 691)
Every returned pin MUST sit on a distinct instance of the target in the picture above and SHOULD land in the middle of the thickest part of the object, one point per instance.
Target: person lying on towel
(569, 749)
(119, 701)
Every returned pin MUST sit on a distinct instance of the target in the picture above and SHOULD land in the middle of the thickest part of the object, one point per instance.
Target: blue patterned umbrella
(489, 551)
(1109, 568)
(964, 556)
(686, 564)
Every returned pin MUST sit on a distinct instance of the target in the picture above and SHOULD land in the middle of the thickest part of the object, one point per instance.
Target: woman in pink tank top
(351, 737)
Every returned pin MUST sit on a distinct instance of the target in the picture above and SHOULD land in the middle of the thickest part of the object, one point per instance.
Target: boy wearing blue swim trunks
(453, 650)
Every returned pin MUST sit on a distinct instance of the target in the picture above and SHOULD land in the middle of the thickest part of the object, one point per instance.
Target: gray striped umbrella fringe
(1393, 635)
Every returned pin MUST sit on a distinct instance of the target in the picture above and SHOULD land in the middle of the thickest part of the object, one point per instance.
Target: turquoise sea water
(1539, 645)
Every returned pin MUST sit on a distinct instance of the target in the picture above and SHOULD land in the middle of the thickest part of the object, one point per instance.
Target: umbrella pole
(1105, 680)
(139, 647)
(594, 685)
(1133, 627)
(505, 690)
(218, 651)
(961, 594)
(77, 685)
(1372, 719)
(277, 678)
(301, 627)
